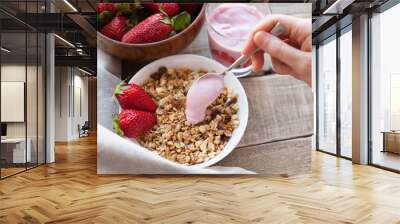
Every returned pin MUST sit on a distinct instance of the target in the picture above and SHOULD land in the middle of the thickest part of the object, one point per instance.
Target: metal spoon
(276, 31)
(207, 88)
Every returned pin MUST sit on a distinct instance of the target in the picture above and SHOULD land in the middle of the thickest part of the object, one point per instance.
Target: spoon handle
(276, 31)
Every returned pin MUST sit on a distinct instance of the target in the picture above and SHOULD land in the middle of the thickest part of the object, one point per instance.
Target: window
(385, 89)
(346, 75)
(22, 75)
(327, 96)
(394, 116)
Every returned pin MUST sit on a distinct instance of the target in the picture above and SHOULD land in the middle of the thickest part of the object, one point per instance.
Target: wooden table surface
(280, 111)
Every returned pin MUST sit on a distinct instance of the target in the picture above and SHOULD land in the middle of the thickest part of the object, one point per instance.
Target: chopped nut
(173, 137)
(203, 146)
(211, 147)
(156, 75)
(214, 114)
(203, 128)
(224, 138)
(161, 91)
(162, 70)
(231, 101)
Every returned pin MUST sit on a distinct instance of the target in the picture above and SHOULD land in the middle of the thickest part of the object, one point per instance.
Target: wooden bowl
(141, 53)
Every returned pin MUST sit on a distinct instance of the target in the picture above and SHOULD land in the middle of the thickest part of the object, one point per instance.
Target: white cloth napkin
(117, 155)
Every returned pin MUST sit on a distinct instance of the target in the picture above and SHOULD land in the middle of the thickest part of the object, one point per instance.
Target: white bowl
(196, 62)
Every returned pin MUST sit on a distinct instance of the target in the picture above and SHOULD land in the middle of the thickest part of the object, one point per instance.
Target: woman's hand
(290, 52)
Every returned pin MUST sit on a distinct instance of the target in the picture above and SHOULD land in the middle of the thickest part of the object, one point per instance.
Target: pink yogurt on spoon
(228, 28)
(200, 95)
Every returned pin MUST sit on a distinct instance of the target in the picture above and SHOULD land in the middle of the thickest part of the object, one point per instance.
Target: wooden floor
(11, 170)
(8, 171)
(69, 191)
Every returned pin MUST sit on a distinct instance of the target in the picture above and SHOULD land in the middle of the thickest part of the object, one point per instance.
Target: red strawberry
(170, 8)
(133, 123)
(132, 96)
(101, 7)
(151, 29)
(191, 8)
(156, 28)
(115, 29)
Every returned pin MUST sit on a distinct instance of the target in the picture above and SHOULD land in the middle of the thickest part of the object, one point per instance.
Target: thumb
(280, 50)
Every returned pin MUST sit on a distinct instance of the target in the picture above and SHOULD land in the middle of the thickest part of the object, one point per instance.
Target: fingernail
(261, 38)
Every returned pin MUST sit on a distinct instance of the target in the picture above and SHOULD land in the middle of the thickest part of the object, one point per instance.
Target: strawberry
(133, 123)
(156, 28)
(191, 8)
(116, 28)
(171, 9)
(101, 7)
(132, 96)
(151, 29)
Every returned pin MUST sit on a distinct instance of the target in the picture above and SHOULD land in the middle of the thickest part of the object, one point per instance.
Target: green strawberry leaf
(116, 125)
(181, 21)
(132, 21)
(135, 18)
(127, 79)
(120, 88)
(166, 20)
(126, 9)
(104, 17)
(122, 9)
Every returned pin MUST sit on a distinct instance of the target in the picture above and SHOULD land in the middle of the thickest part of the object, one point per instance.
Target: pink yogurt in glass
(228, 28)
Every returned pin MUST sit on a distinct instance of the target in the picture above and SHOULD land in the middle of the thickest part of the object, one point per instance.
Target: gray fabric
(280, 107)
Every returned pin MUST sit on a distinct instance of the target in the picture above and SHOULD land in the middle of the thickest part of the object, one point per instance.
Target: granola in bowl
(173, 137)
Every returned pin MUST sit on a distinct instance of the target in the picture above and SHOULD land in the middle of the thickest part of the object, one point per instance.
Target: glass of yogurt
(228, 27)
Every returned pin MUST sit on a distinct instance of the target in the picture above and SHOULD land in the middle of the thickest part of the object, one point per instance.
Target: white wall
(33, 126)
(12, 73)
(80, 112)
(13, 101)
(70, 83)
(61, 103)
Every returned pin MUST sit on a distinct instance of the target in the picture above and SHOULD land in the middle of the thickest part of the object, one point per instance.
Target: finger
(257, 61)
(280, 67)
(280, 50)
(265, 25)
(307, 44)
(288, 22)
(305, 72)
(295, 29)
(249, 46)
(291, 43)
